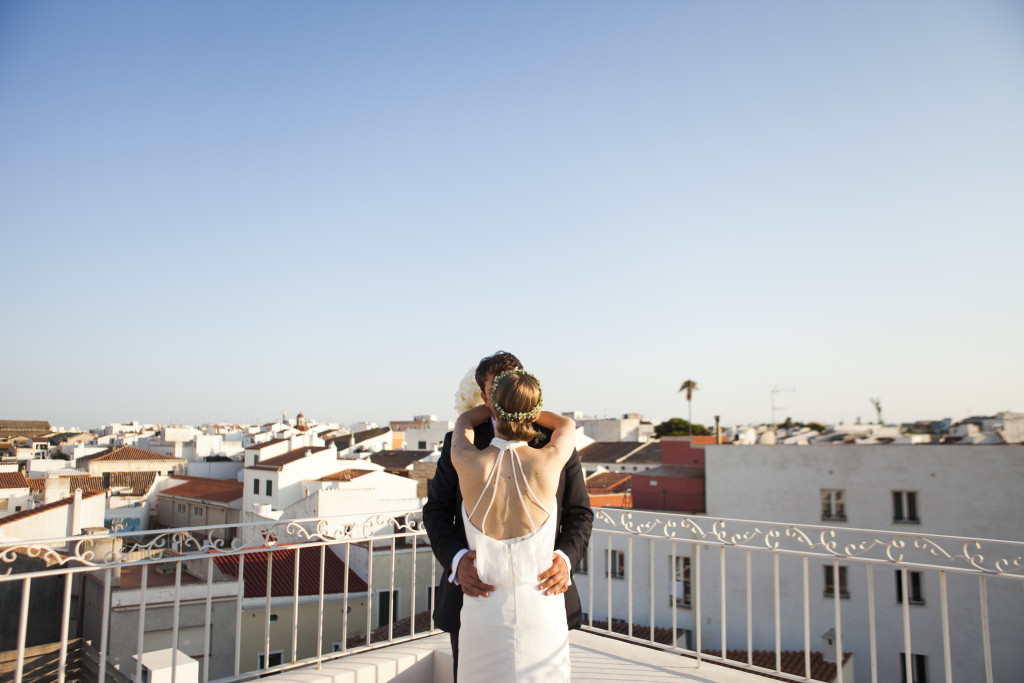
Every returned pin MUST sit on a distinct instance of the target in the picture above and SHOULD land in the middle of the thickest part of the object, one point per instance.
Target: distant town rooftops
(44, 508)
(648, 453)
(20, 425)
(203, 488)
(608, 451)
(13, 480)
(127, 453)
(398, 460)
(282, 582)
(139, 482)
(265, 444)
(278, 462)
(346, 475)
(608, 482)
(674, 471)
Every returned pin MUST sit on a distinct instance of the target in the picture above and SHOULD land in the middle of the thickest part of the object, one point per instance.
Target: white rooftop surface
(158, 660)
(595, 659)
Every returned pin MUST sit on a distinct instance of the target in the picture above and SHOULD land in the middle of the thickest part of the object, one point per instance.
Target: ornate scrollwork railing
(996, 557)
(145, 547)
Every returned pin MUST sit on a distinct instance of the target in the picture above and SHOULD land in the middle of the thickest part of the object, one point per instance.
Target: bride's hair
(517, 400)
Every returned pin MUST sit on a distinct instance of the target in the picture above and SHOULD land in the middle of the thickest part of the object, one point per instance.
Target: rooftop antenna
(877, 403)
(777, 390)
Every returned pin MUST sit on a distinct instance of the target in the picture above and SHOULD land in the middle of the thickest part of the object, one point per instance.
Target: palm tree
(689, 386)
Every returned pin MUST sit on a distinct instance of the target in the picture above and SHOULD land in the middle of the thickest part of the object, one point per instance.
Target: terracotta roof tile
(265, 444)
(49, 506)
(85, 483)
(608, 482)
(34, 425)
(282, 582)
(141, 482)
(674, 471)
(397, 460)
(36, 484)
(650, 452)
(607, 451)
(279, 461)
(127, 453)
(13, 480)
(368, 434)
(792, 661)
(346, 475)
(199, 488)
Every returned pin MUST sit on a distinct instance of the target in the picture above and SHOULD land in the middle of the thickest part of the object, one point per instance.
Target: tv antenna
(777, 390)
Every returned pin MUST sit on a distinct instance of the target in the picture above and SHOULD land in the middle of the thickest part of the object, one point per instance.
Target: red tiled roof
(282, 582)
(36, 484)
(650, 452)
(35, 425)
(128, 453)
(86, 483)
(608, 482)
(397, 460)
(199, 488)
(140, 482)
(673, 471)
(279, 461)
(13, 480)
(265, 444)
(86, 495)
(792, 661)
(346, 475)
(607, 451)
(367, 434)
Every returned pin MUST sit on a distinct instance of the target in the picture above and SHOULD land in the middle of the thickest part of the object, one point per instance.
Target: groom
(447, 533)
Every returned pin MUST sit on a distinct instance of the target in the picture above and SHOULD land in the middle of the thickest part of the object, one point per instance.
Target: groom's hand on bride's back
(468, 578)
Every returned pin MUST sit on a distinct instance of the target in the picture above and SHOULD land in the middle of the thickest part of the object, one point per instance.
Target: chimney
(75, 515)
(828, 646)
(718, 429)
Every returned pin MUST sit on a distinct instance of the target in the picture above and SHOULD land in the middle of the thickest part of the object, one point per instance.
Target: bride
(517, 632)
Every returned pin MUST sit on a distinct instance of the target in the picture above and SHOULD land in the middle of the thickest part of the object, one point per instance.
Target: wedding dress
(517, 633)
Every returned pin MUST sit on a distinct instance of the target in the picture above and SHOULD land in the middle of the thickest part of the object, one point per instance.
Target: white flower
(468, 396)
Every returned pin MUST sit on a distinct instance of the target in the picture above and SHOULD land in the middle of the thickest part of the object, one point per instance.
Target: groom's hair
(497, 364)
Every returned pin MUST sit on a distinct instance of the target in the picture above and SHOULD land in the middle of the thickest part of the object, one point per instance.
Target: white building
(629, 427)
(901, 491)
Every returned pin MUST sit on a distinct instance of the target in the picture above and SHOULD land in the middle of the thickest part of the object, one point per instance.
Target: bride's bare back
(510, 517)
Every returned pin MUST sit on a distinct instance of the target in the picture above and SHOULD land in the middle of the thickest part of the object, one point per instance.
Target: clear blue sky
(222, 210)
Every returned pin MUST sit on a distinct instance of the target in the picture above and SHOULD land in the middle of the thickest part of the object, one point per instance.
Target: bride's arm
(563, 433)
(462, 434)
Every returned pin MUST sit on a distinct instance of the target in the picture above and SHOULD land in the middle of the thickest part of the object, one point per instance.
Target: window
(256, 486)
(616, 562)
(913, 587)
(679, 584)
(684, 637)
(918, 668)
(384, 602)
(429, 597)
(423, 445)
(830, 586)
(197, 511)
(275, 659)
(904, 507)
(833, 505)
(3, 504)
(270, 487)
(581, 568)
(181, 507)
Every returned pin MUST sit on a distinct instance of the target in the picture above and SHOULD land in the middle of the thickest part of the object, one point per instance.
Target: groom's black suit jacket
(447, 532)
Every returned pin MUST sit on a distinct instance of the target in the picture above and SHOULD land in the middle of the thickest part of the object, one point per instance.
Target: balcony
(667, 597)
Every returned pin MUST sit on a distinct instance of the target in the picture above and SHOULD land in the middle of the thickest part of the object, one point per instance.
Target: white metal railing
(739, 581)
(191, 554)
(754, 579)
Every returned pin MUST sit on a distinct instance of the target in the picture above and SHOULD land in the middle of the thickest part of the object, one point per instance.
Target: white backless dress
(517, 633)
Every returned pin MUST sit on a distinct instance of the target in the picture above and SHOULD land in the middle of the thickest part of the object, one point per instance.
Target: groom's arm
(441, 508)
(577, 517)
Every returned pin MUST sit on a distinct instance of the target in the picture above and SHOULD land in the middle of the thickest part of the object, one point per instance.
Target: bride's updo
(517, 398)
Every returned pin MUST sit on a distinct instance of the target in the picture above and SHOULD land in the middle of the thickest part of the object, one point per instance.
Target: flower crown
(516, 417)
